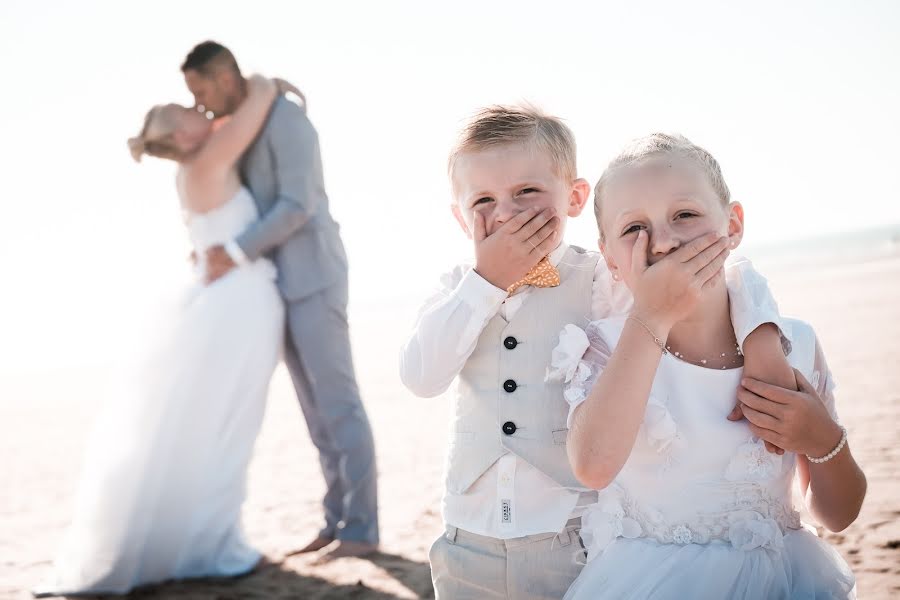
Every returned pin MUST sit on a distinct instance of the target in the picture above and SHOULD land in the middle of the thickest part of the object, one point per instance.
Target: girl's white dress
(700, 509)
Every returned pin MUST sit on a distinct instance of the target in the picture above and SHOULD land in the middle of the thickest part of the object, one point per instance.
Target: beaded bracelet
(834, 452)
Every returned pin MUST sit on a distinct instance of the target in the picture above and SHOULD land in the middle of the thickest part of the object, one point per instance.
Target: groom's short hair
(208, 56)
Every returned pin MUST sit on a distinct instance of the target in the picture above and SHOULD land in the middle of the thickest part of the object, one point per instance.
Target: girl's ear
(735, 224)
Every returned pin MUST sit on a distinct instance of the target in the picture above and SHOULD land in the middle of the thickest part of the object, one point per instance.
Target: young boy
(512, 505)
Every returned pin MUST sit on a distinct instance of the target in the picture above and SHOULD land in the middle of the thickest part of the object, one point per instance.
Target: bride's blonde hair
(157, 135)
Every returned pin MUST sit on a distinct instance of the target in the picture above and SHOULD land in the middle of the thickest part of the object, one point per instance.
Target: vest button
(510, 342)
(510, 386)
(509, 428)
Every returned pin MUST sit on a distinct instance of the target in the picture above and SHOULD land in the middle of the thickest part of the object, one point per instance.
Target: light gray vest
(502, 402)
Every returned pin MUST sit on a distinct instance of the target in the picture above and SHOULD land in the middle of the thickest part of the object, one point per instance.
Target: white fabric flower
(605, 521)
(659, 425)
(682, 535)
(752, 462)
(565, 360)
(751, 531)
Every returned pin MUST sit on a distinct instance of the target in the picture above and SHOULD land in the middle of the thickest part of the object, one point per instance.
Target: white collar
(556, 256)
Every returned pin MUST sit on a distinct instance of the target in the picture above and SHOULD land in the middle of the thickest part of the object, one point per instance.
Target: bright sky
(798, 101)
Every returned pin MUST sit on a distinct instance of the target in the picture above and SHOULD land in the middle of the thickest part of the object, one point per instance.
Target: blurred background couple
(165, 474)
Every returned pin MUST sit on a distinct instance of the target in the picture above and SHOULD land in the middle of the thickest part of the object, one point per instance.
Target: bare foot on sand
(315, 545)
(345, 549)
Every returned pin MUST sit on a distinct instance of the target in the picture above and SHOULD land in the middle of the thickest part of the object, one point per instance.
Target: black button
(509, 385)
(510, 342)
(509, 428)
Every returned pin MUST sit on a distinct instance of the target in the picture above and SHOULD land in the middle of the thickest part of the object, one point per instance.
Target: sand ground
(44, 418)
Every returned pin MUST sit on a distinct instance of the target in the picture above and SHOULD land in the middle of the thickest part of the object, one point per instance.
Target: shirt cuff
(480, 295)
(236, 254)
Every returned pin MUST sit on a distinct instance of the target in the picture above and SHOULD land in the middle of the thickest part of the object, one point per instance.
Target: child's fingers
(536, 223)
(761, 419)
(767, 435)
(480, 231)
(736, 413)
(639, 253)
(714, 280)
(772, 448)
(708, 273)
(520, 220)
(693, 248)
(547, 246)
(710, 256)
(541, 235)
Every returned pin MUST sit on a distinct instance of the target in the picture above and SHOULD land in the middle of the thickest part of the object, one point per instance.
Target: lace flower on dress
(566, 365)
(604, 521)
(751, 531)
(659, 425)
(565, 360)
(752, 462)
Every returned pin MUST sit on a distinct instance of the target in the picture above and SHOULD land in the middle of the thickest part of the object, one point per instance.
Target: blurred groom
(283, 171)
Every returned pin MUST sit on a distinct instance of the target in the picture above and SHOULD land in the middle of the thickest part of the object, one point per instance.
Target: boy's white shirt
(446, 332)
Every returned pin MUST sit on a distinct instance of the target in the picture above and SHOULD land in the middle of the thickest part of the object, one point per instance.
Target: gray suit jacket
(283, 170)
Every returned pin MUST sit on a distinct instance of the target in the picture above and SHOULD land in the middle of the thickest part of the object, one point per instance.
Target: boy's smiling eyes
(523, 192)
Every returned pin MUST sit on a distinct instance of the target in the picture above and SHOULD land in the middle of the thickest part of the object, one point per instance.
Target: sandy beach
(45, 417)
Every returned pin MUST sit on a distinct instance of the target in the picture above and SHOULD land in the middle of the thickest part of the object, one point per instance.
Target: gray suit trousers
(318, 356)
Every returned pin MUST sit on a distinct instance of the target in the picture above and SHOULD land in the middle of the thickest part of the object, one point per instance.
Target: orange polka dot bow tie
(541, 275)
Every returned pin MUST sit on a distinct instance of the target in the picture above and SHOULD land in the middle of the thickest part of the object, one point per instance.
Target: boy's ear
(461, 219)
(735, 223)
(578, 197)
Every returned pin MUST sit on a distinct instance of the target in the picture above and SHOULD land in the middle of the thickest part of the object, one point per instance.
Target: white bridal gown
(164, 477)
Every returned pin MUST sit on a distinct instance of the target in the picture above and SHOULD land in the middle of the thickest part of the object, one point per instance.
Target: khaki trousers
(542, 566)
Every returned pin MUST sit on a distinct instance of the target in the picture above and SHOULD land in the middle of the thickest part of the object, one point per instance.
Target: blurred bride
(164, 477)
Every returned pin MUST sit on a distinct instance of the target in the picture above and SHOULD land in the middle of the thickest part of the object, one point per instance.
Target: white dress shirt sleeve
(236, 253)
(447, 330)
(752, 303)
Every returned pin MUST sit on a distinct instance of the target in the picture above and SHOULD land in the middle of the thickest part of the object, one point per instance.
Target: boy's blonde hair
(661, 145)
(500, 125)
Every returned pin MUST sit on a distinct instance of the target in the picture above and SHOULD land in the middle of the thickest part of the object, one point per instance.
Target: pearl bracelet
(834, 452)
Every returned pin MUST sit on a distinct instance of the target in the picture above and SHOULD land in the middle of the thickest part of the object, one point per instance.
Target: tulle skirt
(806, 568)
(164, 477)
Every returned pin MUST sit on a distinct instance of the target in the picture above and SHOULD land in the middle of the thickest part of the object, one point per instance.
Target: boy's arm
(759, 331)
(447, 330)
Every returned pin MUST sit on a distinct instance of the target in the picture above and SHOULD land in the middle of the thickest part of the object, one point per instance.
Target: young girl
(691, 504)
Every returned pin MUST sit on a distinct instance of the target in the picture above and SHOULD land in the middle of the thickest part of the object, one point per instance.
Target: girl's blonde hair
(659, 145)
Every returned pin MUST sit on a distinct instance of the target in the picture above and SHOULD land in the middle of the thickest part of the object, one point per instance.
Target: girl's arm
(605, 426)
(804, 422)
